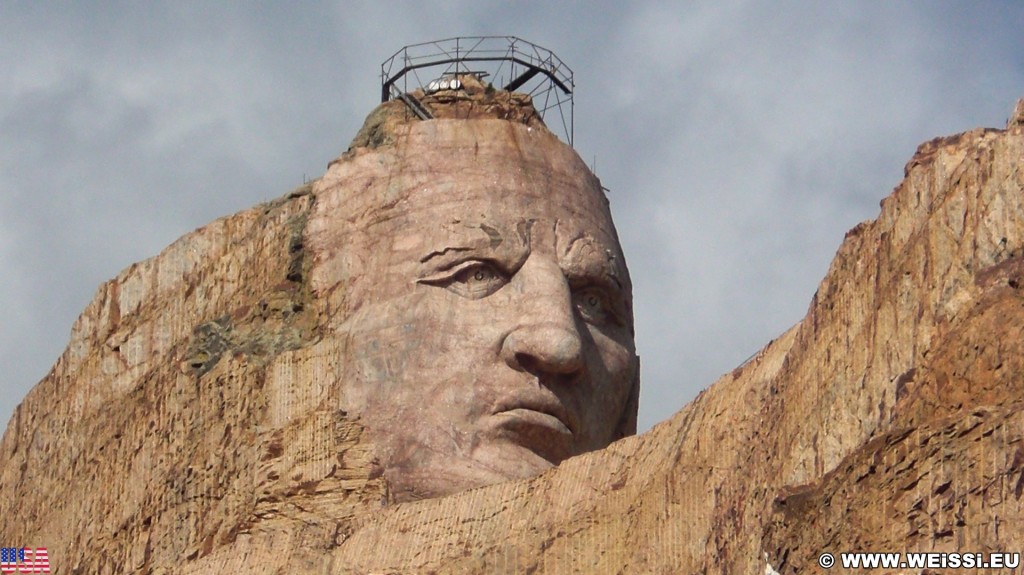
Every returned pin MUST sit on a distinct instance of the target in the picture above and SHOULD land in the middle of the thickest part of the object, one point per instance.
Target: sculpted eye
(594, 306)
(475, 280)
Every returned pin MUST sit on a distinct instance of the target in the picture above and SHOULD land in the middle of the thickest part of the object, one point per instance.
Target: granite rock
(193, 424)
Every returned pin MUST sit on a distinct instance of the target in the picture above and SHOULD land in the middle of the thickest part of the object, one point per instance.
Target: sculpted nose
(544, 348)
(545, 339)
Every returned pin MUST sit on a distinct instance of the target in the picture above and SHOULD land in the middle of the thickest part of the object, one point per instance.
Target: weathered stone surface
(1017, 119)
(479, 300)
(473, 101)
(192, 425)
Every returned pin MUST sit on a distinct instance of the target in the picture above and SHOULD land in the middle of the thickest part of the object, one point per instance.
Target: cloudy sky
(740, 140)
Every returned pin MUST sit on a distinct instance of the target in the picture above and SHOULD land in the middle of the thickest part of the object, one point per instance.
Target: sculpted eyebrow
(604, 274)
(482, 240)
(442, 252)
(598, 265)
(449, 251)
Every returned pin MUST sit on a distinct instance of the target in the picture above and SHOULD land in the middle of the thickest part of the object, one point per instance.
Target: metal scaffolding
(513, 64)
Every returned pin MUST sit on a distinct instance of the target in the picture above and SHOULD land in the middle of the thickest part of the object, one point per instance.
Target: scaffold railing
(508, 62)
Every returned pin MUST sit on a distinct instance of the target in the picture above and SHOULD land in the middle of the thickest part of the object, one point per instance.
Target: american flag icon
(24, 560)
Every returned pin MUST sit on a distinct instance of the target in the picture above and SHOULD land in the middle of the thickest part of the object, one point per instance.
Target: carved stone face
(487, 307)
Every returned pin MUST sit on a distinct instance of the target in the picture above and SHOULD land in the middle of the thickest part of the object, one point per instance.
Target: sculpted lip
(544, 403)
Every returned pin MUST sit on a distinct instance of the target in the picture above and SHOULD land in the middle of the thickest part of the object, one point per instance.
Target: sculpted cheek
(617, 353)
(612, 366)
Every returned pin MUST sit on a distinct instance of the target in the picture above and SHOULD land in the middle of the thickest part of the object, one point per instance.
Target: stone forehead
(492, 166)
(488, 154)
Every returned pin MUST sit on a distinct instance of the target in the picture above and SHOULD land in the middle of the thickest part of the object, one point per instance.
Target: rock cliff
(192, 425)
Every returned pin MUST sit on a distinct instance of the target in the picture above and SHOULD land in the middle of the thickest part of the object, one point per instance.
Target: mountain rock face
(196, 422)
